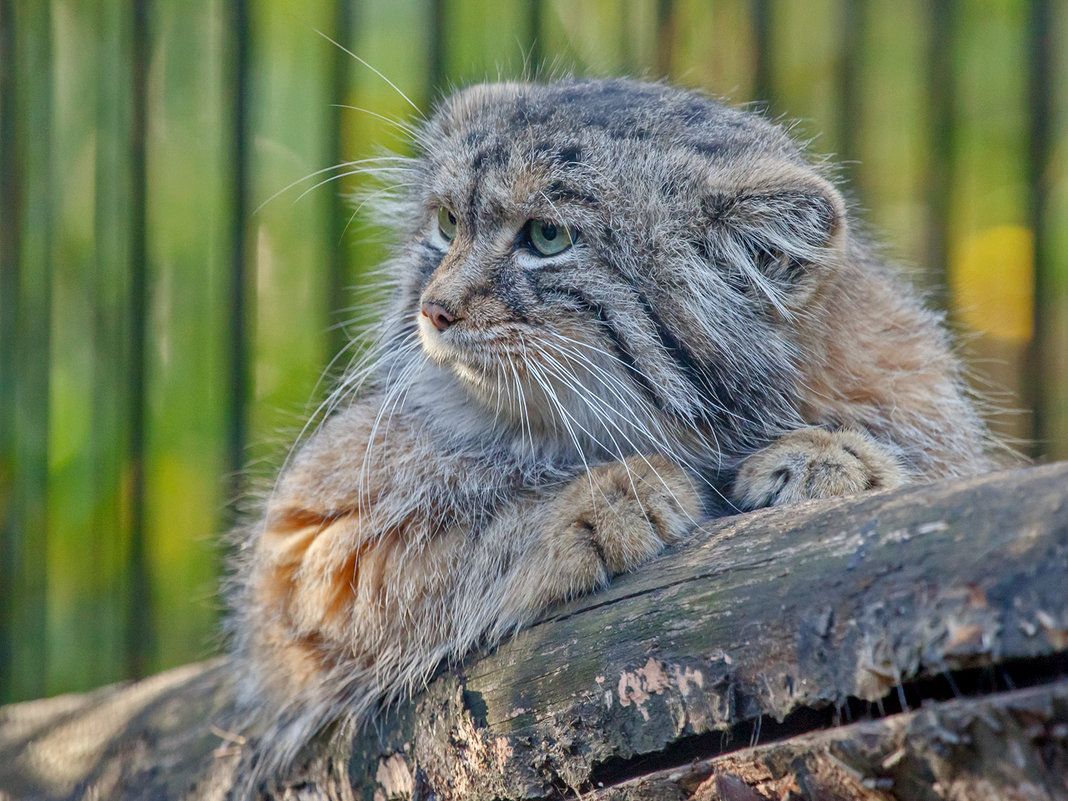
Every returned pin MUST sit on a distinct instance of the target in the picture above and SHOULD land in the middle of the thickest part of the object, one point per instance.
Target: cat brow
(560, 192)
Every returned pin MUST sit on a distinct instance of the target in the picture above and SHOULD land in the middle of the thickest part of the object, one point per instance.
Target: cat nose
(438, 315)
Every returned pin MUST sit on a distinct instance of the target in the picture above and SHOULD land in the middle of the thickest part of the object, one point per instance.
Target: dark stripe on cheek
(509, 295)
(694, 371)
(730, 400)
(619, 346)
(429, 259)
(497, 287)
(698, 374)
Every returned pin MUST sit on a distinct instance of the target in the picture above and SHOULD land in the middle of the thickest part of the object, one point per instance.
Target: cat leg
(815, 463)
(606, 521)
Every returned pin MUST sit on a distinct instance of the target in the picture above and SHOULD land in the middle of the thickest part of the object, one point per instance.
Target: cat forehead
(553, 121)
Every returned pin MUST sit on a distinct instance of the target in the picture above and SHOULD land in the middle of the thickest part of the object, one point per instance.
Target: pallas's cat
(615, 307)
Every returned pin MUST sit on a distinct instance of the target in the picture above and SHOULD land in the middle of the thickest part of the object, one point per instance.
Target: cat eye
(549, 239)
(446, 223)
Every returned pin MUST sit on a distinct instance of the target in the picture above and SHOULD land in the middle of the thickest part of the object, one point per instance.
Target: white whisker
(376, 72)
(408, 129)
(593, 404)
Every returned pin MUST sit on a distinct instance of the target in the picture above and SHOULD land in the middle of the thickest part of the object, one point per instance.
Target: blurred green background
(159, 332)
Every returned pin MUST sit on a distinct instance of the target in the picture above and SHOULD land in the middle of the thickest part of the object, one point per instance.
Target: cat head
(614, 261)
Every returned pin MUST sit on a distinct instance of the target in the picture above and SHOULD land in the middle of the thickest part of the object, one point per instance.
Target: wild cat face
(610, 259)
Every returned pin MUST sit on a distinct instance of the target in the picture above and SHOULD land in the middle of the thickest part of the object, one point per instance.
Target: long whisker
(376, 72)
(500, 384)
(409, 344)
(384, 190)
(327, 406)
(658, 434)
(524, 418)
(408, 129)
(621, 393)
(349, 173)
(560, 409)
(597, 406)
(343, 165)
(605, 413)
(578, 390)
(596, 371)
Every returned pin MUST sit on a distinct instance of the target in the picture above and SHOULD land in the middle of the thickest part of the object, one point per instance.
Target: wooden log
(918, 610)
(1005, 746)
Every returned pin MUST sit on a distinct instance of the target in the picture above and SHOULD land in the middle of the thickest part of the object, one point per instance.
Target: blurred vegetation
(159, 330)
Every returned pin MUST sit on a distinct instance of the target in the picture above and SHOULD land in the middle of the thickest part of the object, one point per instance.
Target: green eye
(548, 239)
(446, 223)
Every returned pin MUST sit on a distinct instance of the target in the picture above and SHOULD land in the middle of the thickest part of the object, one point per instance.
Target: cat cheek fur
(718, 328)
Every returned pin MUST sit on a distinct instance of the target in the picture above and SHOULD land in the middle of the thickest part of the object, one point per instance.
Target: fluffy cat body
(530, 423)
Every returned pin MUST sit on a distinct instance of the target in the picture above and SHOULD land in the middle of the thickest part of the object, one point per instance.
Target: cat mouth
(468, 349)
(490, 364)
(528, 376)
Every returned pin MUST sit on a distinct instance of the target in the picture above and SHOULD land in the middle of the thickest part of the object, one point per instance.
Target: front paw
(618, 515)
(814, 463)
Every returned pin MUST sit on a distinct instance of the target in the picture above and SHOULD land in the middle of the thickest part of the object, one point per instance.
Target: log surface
(914, 612)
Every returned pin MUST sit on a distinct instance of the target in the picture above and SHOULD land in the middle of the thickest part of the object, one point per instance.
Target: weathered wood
(1008, 746)
(777, 625)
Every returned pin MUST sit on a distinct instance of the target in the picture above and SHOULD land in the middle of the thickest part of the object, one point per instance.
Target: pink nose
(438, 316)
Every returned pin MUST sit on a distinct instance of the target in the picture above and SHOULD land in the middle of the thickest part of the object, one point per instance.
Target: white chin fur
(445, 356)
(431, 340)
(526, 405)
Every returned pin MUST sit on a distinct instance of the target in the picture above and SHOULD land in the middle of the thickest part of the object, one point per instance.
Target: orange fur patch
(319, 571)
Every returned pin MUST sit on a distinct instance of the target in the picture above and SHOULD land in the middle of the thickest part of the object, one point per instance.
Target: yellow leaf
(991, 277)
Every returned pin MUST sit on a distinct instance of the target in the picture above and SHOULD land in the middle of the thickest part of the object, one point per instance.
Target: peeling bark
(914, 613)
(1011, 746)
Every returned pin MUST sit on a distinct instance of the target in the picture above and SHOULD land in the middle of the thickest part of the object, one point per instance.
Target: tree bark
(903, 645)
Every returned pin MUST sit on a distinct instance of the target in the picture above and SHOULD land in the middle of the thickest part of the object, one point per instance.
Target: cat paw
(621, 514)
(814, 463)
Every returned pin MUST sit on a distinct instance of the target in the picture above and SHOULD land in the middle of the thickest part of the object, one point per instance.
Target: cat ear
(777, 242)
